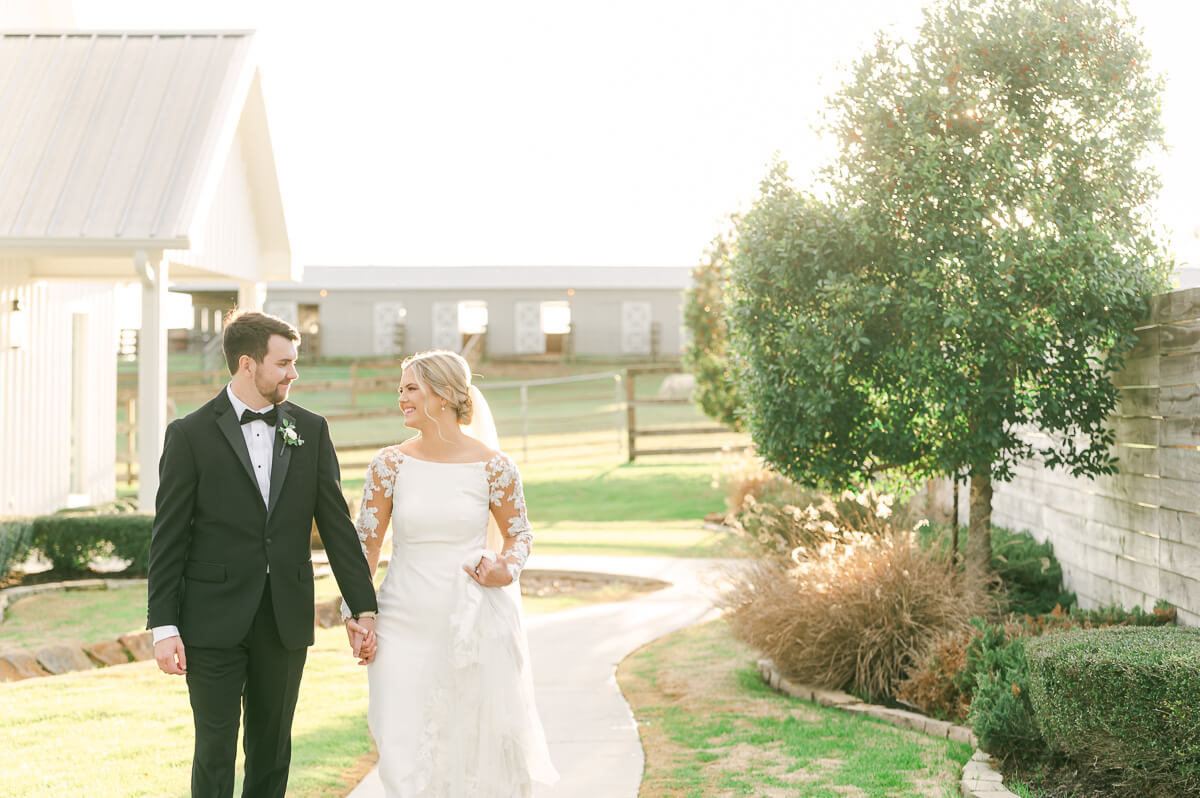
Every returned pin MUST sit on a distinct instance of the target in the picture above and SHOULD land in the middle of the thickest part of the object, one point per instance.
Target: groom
(231, 579)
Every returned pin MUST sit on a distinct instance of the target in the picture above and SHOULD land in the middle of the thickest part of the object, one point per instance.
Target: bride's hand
(363, 642)
(490, 572)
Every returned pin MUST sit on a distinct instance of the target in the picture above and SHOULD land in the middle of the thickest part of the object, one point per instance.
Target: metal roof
(115, 139)
(488, 278)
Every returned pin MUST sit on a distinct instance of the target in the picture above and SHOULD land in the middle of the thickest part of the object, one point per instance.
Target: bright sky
(553, 132)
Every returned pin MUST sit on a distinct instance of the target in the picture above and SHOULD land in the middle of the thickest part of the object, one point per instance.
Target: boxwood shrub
(15, 535)
(71, 540)
(1125, 699)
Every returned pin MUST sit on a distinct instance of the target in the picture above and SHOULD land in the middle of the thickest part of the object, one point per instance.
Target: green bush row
(15, 537)
(71, 542)
(1122, 699)
(72, 538)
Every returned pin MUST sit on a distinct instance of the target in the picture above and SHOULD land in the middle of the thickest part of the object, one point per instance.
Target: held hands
(490, 571)
(169, 655)
(363, 643)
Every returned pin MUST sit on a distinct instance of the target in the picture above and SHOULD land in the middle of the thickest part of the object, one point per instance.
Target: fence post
(130, 438)
(630, 418)
(620, 416)
(524, 423)
(354, 384)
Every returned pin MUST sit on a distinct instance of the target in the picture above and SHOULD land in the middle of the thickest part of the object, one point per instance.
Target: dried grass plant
(783, 530)
(855, 613)
(748, 481)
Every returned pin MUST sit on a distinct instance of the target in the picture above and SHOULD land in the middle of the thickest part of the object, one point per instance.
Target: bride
(451, 697)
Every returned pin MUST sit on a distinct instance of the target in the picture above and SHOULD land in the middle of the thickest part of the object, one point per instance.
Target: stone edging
(139, 646)
(979, 778)
(61, 658)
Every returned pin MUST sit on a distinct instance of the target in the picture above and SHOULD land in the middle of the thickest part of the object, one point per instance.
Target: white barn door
(388, 328)
(635, 328)
(530, 339)
(445, 326)
(288, 311)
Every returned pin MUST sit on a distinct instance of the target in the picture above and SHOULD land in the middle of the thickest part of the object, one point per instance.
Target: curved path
(591, 730)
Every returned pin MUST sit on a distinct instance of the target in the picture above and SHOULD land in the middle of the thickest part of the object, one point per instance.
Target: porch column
(152, 375)
(251, 295)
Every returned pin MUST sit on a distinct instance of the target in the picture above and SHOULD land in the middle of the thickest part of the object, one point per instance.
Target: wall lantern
(18, 326)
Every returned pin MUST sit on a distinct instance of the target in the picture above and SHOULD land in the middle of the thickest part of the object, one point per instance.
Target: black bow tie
(268, 416)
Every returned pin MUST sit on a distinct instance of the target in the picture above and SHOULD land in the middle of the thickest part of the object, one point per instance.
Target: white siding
(229, 243)
(35, 392)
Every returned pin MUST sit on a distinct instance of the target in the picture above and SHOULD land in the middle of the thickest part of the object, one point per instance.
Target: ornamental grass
(854, 613)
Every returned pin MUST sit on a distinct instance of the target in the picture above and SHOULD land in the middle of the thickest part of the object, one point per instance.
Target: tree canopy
(707, 353)
(979, 261)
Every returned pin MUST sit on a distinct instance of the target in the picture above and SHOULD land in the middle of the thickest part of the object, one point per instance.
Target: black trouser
(260, 676)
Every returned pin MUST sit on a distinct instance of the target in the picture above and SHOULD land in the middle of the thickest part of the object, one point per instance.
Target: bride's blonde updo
(448, 376)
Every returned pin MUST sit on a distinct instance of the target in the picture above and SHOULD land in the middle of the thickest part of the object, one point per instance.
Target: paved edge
(979, 778)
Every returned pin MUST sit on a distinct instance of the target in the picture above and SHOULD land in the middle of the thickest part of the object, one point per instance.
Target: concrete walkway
(592, 734)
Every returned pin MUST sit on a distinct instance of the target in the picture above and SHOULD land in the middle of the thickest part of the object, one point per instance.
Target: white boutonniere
(288, 430)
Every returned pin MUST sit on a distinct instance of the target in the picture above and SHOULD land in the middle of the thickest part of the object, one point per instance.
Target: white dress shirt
(260, 437)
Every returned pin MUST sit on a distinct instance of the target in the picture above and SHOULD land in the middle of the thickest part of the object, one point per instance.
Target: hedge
(71, 540)
(1124, 699)
(15, 536)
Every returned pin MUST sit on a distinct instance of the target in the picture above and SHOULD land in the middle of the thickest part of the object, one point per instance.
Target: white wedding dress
(451, 706)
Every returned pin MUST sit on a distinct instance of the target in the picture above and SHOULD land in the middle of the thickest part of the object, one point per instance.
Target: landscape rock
(17, 665)
(677, 386)
(139, 644)
(110, 652)
(329, 613)
(63, 659)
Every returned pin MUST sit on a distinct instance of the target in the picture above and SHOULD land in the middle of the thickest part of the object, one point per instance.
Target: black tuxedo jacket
(214, 537)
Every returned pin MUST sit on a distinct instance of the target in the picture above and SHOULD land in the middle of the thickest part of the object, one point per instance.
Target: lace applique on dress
(380, 479)
(508, 495)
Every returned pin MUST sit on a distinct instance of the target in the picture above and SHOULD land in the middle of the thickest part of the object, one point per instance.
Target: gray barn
(356, 311)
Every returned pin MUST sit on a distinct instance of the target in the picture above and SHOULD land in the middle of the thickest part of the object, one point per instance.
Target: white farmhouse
(124, 157)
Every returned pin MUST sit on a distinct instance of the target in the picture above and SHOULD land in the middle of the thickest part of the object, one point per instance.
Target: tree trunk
(979, 533)
(954, 521)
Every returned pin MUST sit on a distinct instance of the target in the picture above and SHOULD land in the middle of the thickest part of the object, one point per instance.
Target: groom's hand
(169, 655)
(361, 633)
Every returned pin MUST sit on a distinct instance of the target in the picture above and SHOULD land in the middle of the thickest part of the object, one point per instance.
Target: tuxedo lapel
(281, 454)
(231, 428)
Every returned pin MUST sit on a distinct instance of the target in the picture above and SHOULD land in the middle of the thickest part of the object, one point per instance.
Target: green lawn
(126, 732)
(75, 617)
(710, 726)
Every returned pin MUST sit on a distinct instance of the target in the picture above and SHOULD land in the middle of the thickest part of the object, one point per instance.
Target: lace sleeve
(508, 508)
(375, 512)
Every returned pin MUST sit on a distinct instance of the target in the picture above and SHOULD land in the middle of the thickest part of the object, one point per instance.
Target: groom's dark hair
(247, 333)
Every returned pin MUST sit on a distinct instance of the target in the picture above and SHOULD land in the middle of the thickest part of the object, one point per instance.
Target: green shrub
(1031, 574)
(942, 683)
(1001, 714)
(1125, 699)
(15, 535)
(71, 540)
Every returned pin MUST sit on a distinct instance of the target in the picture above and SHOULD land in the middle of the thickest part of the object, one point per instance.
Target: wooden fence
(713, 437)
(1132, 538)
(601, 415)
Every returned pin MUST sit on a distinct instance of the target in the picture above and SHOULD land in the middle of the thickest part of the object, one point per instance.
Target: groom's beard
(274, 393)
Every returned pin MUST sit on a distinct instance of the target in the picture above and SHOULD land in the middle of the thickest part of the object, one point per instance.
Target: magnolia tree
(707, 353)
(977, 265)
